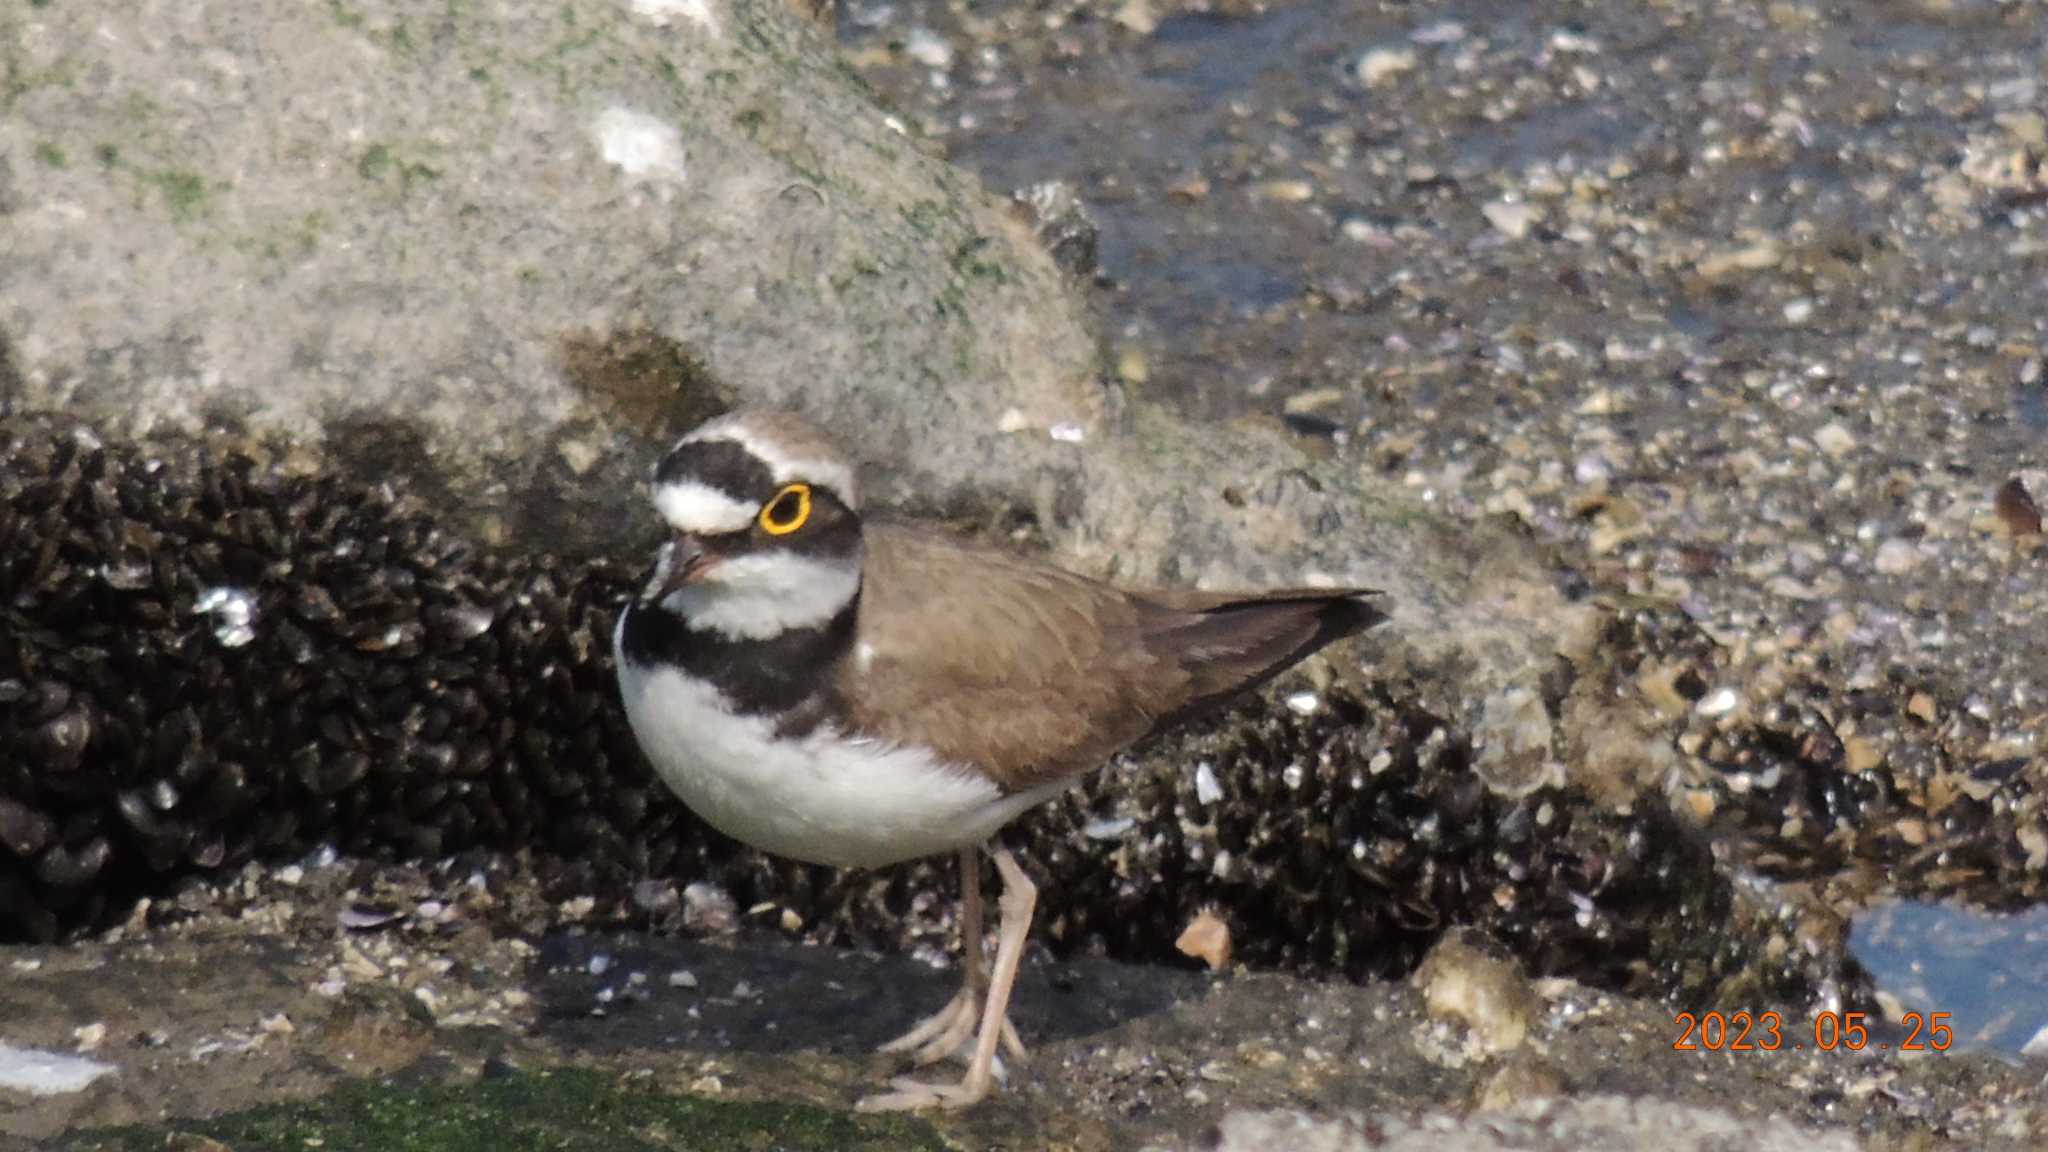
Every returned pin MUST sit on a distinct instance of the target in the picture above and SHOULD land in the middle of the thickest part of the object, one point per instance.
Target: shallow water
(1990, 972)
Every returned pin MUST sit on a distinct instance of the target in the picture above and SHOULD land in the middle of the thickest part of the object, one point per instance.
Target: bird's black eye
(788, 511)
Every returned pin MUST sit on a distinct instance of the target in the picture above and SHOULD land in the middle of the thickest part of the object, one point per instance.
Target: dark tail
(1236, 644)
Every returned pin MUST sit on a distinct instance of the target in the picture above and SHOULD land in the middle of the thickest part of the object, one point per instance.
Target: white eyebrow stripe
(825, 473)
(692, 507)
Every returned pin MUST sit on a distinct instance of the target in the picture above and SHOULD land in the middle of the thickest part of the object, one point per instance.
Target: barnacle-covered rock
(206, 659)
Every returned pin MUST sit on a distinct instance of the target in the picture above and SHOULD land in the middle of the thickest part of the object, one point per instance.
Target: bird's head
(765, 531)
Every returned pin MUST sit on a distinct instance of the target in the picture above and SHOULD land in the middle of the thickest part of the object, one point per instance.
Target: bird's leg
(946, 1032)
(1019, 897)
(942, 1033)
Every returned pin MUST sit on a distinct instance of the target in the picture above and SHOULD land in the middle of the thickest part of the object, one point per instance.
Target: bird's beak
(684, 561)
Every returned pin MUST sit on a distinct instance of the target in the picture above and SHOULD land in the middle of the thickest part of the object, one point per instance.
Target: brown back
(1035, 674)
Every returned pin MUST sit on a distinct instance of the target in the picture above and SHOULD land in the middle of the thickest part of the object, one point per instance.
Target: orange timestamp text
(1832, 1031)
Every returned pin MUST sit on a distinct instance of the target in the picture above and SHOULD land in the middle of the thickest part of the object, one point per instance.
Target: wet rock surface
(288, 981)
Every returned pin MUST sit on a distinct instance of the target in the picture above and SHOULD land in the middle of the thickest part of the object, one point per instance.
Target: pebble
(41, 1073)
(1835, 440)
(1206, 938)
(928, 48)
(1462, 981)
(1511, 218)
(2038, 1044)
(1363, 232)
(1286, 191)
(1897, 557)
(1108, 829)
(1137, 16)
(1753, 258)
(1381, 65)
(1719, 702)
(2016, 510)
(708, 909)
(1132, 366)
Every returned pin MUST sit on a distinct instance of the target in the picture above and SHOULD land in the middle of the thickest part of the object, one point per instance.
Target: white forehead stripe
(781, 465)
(692, 507)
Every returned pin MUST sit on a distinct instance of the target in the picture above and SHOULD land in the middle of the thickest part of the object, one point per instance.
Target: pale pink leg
(1019, 897)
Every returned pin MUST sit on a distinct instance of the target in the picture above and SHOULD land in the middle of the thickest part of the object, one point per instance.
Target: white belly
(822, 797)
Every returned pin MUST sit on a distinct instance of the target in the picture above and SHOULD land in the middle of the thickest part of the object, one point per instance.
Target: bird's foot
(950, 1032)
(912, 1095)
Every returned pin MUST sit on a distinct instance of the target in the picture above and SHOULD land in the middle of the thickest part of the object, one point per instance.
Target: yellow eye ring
(789, 511)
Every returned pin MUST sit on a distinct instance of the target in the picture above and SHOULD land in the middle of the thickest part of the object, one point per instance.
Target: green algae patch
(566, 1110)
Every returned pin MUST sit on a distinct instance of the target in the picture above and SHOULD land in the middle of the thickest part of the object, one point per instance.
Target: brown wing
(1034, 674)
(1025, 671)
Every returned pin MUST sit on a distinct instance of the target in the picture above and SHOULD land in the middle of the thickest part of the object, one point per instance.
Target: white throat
(764, 595)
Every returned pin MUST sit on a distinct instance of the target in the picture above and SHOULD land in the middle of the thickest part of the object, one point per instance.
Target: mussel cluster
(1351, 838)
(1887, 778)
(206, 659)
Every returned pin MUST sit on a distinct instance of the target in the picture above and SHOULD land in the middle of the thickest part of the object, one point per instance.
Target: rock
(1604, 1122)
(1731, 262)
(1835, 440)
(1137, 16)
(2017, 513)
(1062, 223)
(1464, 980)
(1285, 191)
(1511, 218)
(508, 262)
(1860, 754)
(1206, 938)
(1896, 557)
(1515, 759)
(35, 1072)
(1380, 66)
(1518, 1082)
(929, 49)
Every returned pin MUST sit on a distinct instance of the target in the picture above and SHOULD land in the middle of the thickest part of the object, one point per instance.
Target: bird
(849, 689)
